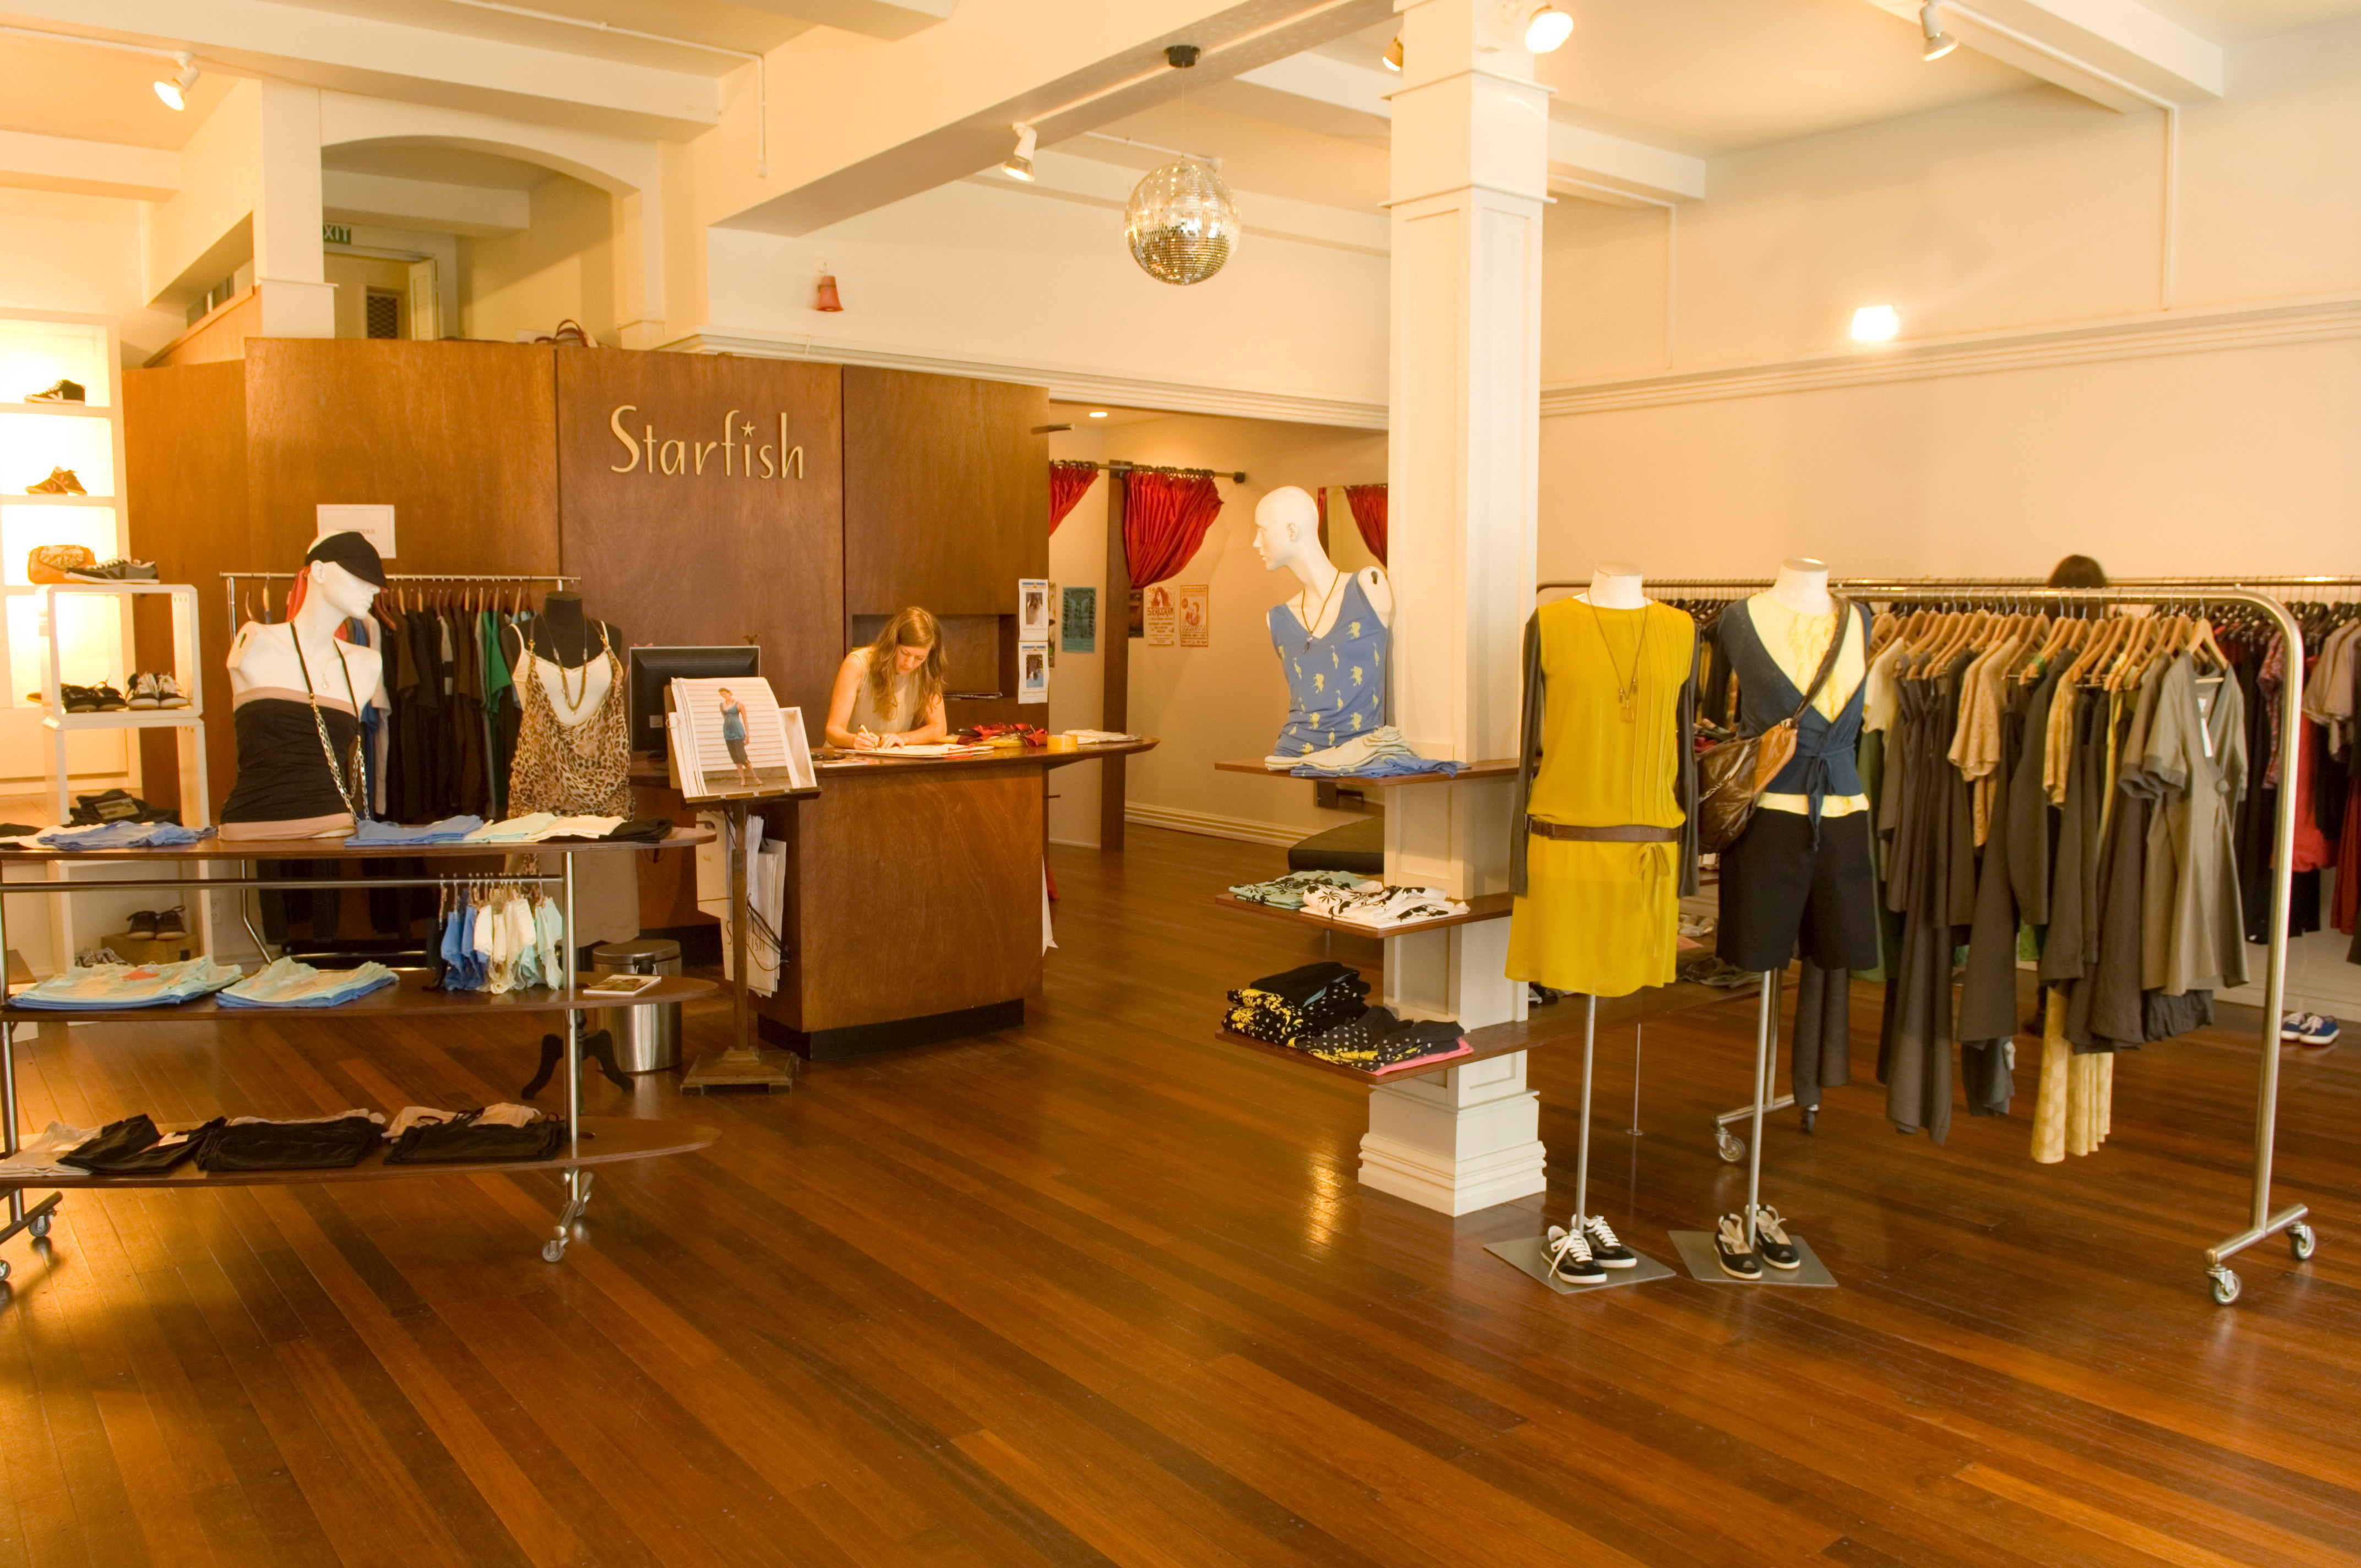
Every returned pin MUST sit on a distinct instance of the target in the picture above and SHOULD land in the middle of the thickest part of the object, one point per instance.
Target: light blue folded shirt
(127, 985)
(284, 982)
(123, 835)
(450, 830)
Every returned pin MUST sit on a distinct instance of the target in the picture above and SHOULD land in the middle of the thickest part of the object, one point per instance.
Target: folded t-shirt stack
(123, 835)
(1378, 906)
(312, 1143)
(450, 830)
(1381, 753)
(284, 982)
(1289, 892)
(1287, 1009)
(494, 1134)
(127, 985)
(1379, 1039)
(134, 1146)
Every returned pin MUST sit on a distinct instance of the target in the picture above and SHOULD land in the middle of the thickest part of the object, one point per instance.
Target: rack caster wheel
(1729, 1145)
(2303, 1240)
(553, 1252)
(40, 1227)
(2225, 1284)
(5, 1266)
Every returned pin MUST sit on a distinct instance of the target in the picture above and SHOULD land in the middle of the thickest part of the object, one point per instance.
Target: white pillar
(1470, 174)
(290, 265)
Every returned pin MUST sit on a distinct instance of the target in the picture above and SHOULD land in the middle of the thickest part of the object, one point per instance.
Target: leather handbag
(1732, 776)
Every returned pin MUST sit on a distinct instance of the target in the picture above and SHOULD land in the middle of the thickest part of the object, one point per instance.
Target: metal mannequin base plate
(1531, 1254)
(1703, 1263)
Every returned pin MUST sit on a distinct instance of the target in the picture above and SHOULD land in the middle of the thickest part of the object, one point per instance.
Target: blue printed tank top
(1337, 684)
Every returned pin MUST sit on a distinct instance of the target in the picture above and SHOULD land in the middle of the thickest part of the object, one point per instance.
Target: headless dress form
(573, 756)
(285, 788)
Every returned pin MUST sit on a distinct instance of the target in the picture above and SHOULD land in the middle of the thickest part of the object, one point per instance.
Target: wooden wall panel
(709, 554)
(946, 495)
(455, 435)
(185, 497)
(219, 335)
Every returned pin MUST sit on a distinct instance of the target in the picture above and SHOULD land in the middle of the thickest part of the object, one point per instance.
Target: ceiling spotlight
(1938, 42)
(1876, 323)
(174, 90)
(1548, 28)
(1393, 55)
(1019, 165)
(1098, 413)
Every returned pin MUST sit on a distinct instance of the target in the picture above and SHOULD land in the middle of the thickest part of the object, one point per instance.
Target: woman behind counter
(890, 692)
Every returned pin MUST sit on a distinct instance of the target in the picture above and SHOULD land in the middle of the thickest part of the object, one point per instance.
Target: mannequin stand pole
(1638, 1031)
(1766, 1036)
(744, 1065)
(1582, 1142)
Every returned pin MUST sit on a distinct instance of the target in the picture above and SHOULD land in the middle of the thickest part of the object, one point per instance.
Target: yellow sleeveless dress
(1603, 918)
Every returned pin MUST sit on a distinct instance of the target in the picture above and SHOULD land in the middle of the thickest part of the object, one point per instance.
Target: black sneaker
(171, 926)
(59, 391)
(1730, 1251)
(79, 700)
(1570, 1257)
(1605, 1247)
(109, 700)
(115, 571)
(1770, 1240)
(143, 926)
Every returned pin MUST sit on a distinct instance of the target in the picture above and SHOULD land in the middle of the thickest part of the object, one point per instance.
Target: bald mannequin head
(1286, 531)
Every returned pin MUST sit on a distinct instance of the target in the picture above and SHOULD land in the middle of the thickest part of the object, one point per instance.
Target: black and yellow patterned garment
(1378, 1038)
(1288, 1009)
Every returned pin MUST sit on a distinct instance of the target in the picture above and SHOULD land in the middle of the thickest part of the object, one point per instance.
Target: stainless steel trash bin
(647, 1037)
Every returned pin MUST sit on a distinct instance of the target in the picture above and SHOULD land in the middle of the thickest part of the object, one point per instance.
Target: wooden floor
(1106, 1290)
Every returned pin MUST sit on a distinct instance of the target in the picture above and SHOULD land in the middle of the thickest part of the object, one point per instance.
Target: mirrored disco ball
(1182, 223)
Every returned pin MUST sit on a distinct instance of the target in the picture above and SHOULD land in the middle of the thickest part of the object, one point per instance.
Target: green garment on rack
(500, 693)
(1870, 764)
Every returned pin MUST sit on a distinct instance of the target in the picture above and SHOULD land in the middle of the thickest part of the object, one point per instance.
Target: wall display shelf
(600, 1141)
(1483, 907)
(1469, 773)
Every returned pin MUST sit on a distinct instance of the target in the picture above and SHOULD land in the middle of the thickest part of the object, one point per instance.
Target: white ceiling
(443, 164)
(2243, 21)
(702, 21)
(96, 94)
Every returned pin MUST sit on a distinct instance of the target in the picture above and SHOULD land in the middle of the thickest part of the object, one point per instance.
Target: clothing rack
(230, 581)
(2262, 1222)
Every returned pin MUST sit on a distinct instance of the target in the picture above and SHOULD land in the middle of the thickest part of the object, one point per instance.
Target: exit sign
(335, 234)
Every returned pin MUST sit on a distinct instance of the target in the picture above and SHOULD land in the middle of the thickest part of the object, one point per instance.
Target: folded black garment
(134, 1148)
(289, 1146)
(638, 830)
(1378, 1038)
(468, 1142)
(1299, 987)
(16, 830)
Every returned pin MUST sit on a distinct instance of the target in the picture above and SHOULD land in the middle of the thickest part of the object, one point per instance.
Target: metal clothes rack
(2262, 1222)
(230, 581)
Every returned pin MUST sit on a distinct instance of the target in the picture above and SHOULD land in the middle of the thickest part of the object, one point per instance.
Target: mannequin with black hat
(296, 698)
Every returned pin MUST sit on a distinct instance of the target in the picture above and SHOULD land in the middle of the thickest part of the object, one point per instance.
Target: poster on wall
(1135, 620)
(1196, 615)
(1079, 621)
(1033, 609)
(1163, 617)
(1032, 672)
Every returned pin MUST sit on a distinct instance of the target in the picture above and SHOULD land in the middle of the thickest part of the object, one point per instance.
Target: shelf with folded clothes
(1483, 907)
(1496, 768)
(219, 848)
(605, 1140)
(412, 994)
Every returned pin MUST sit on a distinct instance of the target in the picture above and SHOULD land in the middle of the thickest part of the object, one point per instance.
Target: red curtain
(1369, 504)
(1165, 516)
(1067, 483)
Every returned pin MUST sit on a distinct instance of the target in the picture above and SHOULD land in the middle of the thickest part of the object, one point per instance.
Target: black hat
(354, 553)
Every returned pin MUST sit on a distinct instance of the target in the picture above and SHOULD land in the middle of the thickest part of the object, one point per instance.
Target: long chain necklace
(349, 792)
(1627, 687)
(1311, 627)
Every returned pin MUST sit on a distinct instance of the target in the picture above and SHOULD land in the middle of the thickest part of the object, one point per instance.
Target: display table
(913, 899)
(611, 1140)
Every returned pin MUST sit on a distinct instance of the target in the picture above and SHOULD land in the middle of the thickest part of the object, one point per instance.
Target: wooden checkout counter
(913, 899)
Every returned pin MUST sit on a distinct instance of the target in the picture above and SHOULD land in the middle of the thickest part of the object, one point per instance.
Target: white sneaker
(168, 693)
(143, 691)
(1604, 1247)
(1570, 1257)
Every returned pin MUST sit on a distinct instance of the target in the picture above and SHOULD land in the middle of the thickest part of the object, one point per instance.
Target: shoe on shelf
(143, 926)
(59, 391)
(1604, 1247)
(1729, 1248)
(1570, 1258)
(2315, 1031)
(60, 482)
(109, 699)
(171, 926)
(168, 693)
(115, 571)
(79, 700)
(1770, 1240)
(143, 691)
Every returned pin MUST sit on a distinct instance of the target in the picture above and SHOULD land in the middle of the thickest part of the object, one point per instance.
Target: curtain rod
(1880, 587)
(1117, 466)
(422, 576)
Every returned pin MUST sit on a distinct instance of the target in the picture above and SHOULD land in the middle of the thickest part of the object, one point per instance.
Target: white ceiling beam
(856, 126)
(1088, 180)
(2115, 53)
(1588, 164)
(385, 201)
(877, 18)
(87, 168)
(360, 54)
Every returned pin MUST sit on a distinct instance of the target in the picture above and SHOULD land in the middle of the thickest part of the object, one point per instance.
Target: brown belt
(1630, 833)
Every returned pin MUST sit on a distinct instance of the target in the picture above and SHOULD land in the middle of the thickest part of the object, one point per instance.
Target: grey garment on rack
(2031, 829)
(1935, 889)
(1988, 1009)
(1529, 758)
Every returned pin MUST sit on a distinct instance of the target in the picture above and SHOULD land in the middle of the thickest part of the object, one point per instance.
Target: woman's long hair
(910, 627)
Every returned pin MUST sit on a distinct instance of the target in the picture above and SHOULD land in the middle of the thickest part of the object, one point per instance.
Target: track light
(1876, 323)
(174, 90)
(1019, 165)
(1548, 28)
(1938, 42)
(1394, 55)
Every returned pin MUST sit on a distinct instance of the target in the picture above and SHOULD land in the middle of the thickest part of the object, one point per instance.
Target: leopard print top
(573, 770)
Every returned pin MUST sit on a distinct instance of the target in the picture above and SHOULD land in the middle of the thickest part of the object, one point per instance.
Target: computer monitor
(651, 668)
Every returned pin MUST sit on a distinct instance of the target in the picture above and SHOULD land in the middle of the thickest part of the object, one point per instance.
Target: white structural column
(289, 266)
(1470, 177)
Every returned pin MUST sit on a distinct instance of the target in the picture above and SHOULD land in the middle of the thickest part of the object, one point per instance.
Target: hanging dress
(1599, 915)
(580, 768)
